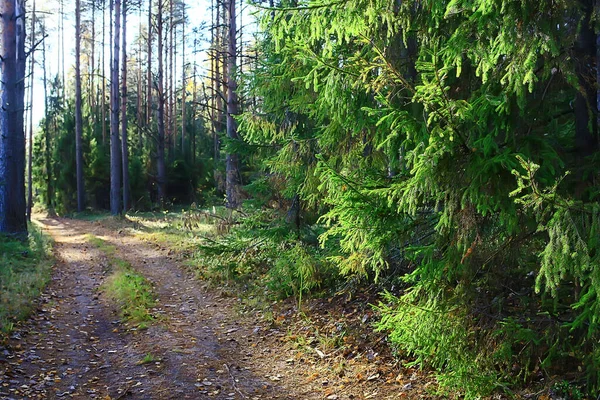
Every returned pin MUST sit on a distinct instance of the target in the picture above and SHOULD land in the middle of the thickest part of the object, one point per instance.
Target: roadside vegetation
(276, 268)
(131, 291)
(25, 267)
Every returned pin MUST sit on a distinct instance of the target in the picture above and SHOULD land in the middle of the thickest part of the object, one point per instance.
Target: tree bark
(104, 71)
(161, 173)
(49, 183)
(124, 149)
(232, 178)
(12, 138)
(115, 145)
(30, 150)
(586, 127)
(170, 112)
(149, 66)
(183, 84)
(78, 116)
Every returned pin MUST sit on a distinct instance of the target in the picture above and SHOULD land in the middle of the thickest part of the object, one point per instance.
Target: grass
(25, 268)
(131, 291)
(149, 358)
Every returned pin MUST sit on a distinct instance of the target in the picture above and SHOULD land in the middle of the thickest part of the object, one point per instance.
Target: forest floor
(202, 343)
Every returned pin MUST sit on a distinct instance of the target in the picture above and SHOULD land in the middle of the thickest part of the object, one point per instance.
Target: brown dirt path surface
(74, 346)
(204, 344)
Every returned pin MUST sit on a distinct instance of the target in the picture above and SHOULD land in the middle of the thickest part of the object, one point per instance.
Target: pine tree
(12, 135)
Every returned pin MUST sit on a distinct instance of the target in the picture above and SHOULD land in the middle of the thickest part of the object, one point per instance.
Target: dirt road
(74, 346)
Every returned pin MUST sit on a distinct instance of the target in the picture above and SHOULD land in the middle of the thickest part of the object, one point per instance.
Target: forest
(434, 162)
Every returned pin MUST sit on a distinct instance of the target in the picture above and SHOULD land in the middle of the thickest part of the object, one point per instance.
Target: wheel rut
(74, 346)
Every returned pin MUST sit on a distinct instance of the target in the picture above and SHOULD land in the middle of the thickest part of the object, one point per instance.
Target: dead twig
(233, 382)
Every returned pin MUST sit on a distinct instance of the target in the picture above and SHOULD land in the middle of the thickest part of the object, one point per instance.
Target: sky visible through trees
(198, 12)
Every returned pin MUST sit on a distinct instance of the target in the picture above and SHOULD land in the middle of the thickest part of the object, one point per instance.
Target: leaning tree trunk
(232, 178)
(78, 116)
(12, 135)
(124, 150)
(115, 145)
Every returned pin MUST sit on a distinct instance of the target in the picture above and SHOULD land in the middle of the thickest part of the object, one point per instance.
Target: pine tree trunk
(104, 72)
(115, 145)
(597, 13)
(232, 178)
(140, 114)
(124, 142)
(62, 53)
(161, 173)
(149, 66)
(174, 74)
(92, 71)
(170, 113)
(217, 92)
(586, 127)
(12, 138)
(30, 139)
(183, 85)
(194, 95)
(78, 116)
(49, 183)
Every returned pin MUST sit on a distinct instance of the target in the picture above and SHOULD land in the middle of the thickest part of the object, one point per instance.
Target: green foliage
(567, 391)
(24, 271)
(265, 250)
(436, 146)
(297, 270)
(441, 338)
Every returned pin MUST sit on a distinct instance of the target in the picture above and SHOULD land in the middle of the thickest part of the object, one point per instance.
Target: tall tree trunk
(194, 95)
(30, 139)
(12, 137)
(149, 66)
(78, 116)
(124, 149)
(597, 13)
(115, 145)
(161, 173)
(170, 85)
(104, 72)
(49, 183)
(217, 90)
(174, 74)
(140, 113)
(183, 84)
(62, 52)
(92, 69)
(585, 53)
(232, 179)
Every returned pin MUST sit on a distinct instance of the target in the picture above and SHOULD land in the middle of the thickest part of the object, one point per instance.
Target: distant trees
(161, 146)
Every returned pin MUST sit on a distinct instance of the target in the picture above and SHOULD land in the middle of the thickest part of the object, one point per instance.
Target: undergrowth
(263, 253)
(131, 291)
(482, 334)
(25, 268)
